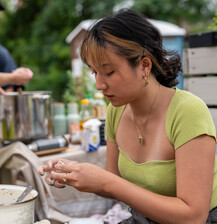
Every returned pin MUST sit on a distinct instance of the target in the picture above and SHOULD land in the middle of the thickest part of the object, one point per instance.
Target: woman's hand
(84, 177)
(49, 167)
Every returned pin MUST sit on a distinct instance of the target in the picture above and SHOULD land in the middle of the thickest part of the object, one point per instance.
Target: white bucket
(16, 213)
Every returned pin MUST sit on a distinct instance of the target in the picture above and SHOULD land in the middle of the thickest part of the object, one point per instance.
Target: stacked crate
(200, 69)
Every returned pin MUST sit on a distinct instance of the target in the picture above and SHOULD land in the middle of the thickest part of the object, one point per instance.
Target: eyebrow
(103, 65)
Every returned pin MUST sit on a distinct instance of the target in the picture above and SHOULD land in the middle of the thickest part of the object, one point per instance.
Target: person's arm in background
(2, 91)
(11, 76)
(20, 76)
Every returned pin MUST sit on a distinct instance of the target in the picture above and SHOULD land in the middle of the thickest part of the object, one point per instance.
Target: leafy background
(35, 32)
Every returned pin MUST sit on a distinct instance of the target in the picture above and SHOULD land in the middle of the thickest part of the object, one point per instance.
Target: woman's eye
(93, 73)
(110, 73)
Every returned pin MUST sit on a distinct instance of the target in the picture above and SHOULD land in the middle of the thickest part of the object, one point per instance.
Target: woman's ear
(146, 65)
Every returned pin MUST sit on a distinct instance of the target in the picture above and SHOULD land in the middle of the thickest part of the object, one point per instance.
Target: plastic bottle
(84, 113)
(59, 119)
(91, 103)
(73, 119)
(100, 106)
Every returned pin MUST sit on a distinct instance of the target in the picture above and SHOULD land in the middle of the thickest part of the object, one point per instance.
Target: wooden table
(74, 153)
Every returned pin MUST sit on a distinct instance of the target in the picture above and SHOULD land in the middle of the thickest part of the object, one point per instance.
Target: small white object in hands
(61, 163)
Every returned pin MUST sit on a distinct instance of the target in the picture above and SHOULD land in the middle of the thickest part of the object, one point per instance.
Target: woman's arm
(194, 168)
(112, 154)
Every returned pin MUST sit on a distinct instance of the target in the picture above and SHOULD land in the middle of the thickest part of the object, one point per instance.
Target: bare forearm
(20, 76)
(160, 208)
(105, 195)
(6, 78)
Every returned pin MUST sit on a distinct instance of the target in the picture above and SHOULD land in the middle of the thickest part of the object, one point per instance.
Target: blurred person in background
(1, 6)
(11, 77)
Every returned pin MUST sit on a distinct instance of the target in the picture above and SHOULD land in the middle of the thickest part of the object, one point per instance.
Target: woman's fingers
(57, 170)
(53, 162)
(45, 168)
(60, 177)
(49, 180)
(52, 182)
(65, 167)
(42, 169)
(58, 180)
(58, 184)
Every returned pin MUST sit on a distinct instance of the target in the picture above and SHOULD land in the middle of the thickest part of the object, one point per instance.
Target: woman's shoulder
(112, 118)
(188, 117)
(113, 115)
(185, 100)
(185, 106)
(114, 111)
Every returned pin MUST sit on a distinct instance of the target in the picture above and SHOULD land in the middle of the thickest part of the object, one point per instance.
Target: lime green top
(187, 117)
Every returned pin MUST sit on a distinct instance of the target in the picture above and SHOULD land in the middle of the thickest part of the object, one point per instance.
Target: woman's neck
(147, 102)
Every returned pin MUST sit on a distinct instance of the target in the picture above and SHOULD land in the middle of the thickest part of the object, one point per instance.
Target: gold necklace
(140, 132)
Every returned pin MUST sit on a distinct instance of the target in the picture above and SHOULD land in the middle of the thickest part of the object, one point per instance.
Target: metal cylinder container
(25, 116)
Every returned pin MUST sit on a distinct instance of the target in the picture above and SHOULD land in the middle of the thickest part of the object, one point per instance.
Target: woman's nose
(100, 84)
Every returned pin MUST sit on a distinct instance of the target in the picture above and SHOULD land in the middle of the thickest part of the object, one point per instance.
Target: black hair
(136, 30)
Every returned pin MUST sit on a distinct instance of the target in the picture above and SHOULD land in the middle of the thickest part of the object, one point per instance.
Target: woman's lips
(109, 97)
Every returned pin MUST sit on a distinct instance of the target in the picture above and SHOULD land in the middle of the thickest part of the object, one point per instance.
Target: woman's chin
(116, 104)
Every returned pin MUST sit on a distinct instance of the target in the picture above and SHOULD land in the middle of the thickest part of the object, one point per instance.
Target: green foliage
(70, 91)
(178, 12)
(55, 80)
(214, 24)
(79, 87)
(35, 35)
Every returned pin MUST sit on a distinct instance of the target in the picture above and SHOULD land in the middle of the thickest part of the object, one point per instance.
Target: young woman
(161, 141)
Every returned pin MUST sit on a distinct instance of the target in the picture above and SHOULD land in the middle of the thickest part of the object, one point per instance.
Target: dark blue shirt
(7, 63)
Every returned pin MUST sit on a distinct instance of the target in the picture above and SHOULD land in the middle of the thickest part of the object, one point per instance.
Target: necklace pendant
(140, 139)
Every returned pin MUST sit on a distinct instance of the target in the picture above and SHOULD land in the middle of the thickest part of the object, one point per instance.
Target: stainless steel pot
(12, 212)
(25, 116)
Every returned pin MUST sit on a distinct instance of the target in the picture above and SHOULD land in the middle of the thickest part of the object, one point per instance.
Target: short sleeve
(7, 63)
(109, 129)
(112, 119)
(188, 117)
